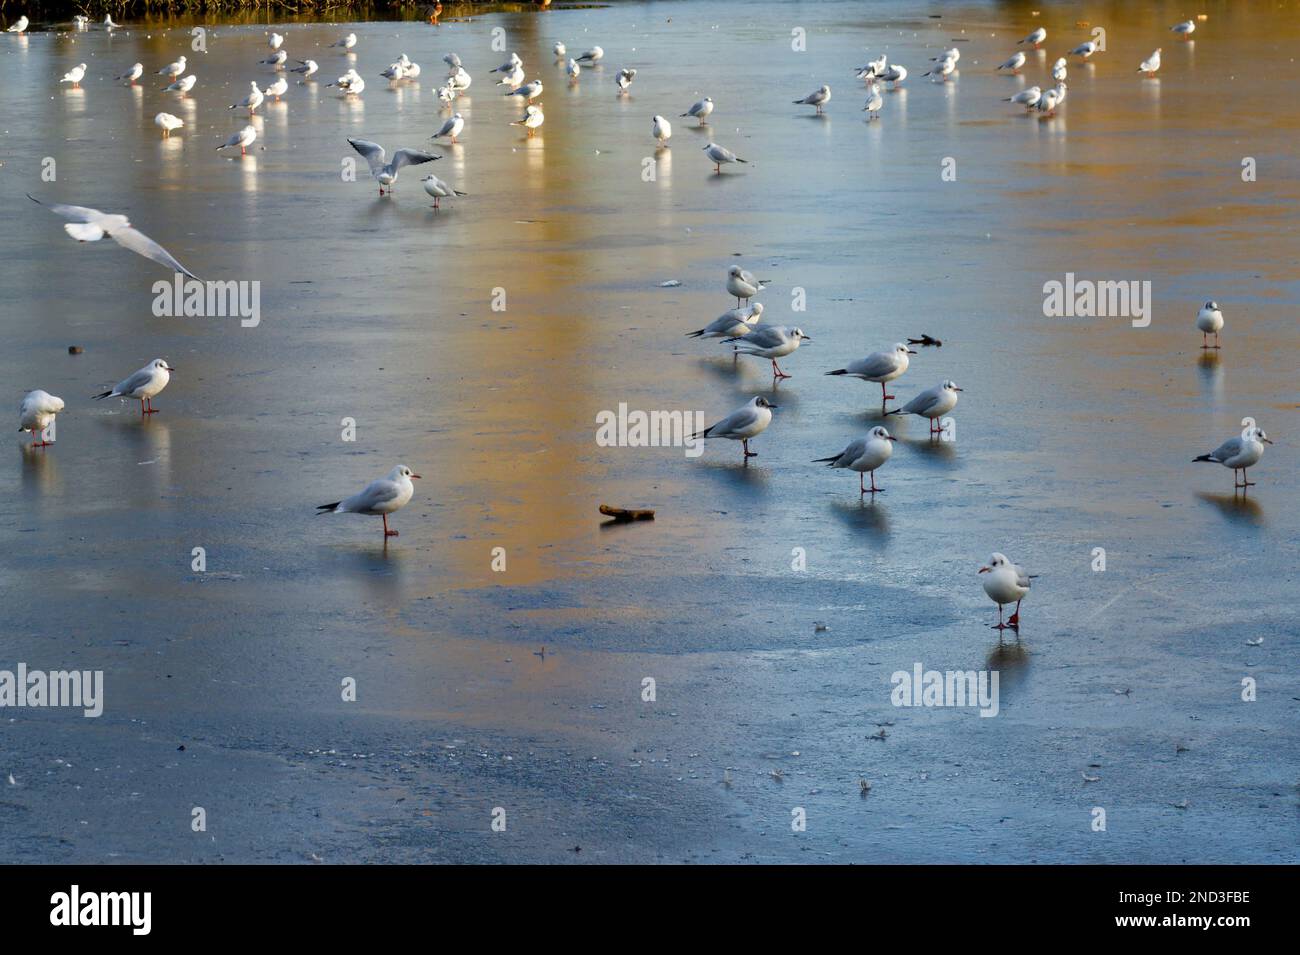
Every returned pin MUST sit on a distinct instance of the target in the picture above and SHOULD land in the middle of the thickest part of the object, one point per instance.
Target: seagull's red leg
(387, 532)
(1014, 620)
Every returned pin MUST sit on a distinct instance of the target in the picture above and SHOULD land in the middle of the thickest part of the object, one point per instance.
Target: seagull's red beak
(415, 475)
(984, 570)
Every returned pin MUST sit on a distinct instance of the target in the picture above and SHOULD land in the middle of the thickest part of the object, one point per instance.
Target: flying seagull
(91, 225)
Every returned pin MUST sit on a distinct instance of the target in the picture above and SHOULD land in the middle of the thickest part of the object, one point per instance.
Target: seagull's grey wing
(375, 494)
(372, 152)
(138, 242)
(1229, 449)
(446, 128)
(874, 366)
(923, 402)
(137, 380)
(1022, 578)
(766, 336)
(74, 213)
(850, 454)
(738, 420)
(411, 157)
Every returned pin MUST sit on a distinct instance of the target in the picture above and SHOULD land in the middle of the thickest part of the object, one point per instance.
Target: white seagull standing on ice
(573, 69)
(277, 89)
(386, 173)
(818, 97)
(1239, 453)
(110, 25)
(307, 68)
(1006, 582)
(514, 79)
(37, 412)
(1209, 320)
(382, 497)
(276, 59)
(346, 43)
(19, 26)
(509, 66)
(1014, 63)
(1047, 103)
(75, 75)
(1035, 39)
(252, 100)
(167, 122)
(742, 284)
(742, 424)
(173, 69)
(275, 41)
(933, 403)
(1184, 29)
(143, 385)
(874, 102)
(1060, 70)
(880, 367)
(864, 455)
(439, 190)
(943, 69)
(1084, 50)
(1027, 98)
(530, 91)
(131, 75)
(91, 225)
(700, 109)
(894, 75)
(873, 68)
(183, 85)
(662, 130)
(770, 342)
(243, 139)
(736, 323)
(559, 50)
(1151, 64)
(719, 155)
(592, 56)
(451, 128)
(624, 80)
(532, 120)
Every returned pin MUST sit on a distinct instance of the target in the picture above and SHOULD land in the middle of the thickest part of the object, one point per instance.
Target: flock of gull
(741, 327)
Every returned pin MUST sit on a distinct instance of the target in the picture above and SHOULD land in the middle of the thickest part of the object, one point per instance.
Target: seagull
(81, 22)
(243, 139)
(509, 66)
(881, 366)
(573, 69)
(19, 26)
(439, 190)
(864, 455)
(276, 59)
(142, 385)
(252, 100)
(624, 80)
(75, 75)
(183, 85)
(460, 79)
(1006, 582)
(874, 102)
(346, 42)
(895, 74)
(873, 68)
(110, 25)
(1084, 50)
(1035, 39)
(452, 60)
(1014, 63)
(446, 94)
(383, 497)
(933, 403)
(742, 424)
(308, 68)
(1047, 103)
(1151, 64)
(720, 154)
(559, 50)
(410, 71)
(394, 72)
(819, 98)
(173, 69)
(350, 83)
(514, 79)
(451, 128)
(131, 75)
(1239, 453)
(275, 41)
(592, 56)
(91, 225)
(1028, 98)
(1209, 319)
(943, 68)
(530, 91)
(167, 122)
(277, 89)
(662, 130)
(1184, 29)
(533, 118)
(1060, 90)
(37, 412)
(742, 284)
(735, 323)
(1060, 70)
(700, 109)
(770, 342)
(953, 54)
(386, 173)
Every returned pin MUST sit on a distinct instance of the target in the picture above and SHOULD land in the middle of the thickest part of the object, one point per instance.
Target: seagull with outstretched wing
(91, 225)
(386, 173)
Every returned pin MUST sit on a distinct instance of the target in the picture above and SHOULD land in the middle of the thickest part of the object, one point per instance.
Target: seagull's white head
(161, 364)
(797, 333)
(1257, 434)
(401, 473)
(996, 562)
(902, 349)
(761, 402)
(951, 386)
(881, 434)
(1212, 305)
